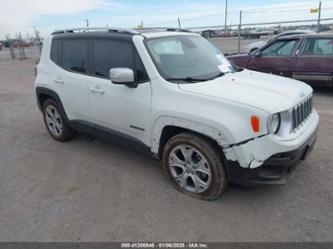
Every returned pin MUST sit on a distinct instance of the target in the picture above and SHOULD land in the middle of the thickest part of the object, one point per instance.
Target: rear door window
(75, 55)
(321, 46)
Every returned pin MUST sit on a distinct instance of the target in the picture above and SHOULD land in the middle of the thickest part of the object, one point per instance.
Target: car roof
(92, 34)
(118, 32)
(299, 36)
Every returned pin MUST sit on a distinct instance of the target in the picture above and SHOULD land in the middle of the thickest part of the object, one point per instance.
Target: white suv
(172, 93)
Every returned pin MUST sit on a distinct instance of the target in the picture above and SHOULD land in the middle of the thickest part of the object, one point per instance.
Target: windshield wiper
(191, 79)
(216, 76)
(186, 79)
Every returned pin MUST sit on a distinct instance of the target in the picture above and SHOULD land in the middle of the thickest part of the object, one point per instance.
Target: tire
(185, 174)
(55, 117)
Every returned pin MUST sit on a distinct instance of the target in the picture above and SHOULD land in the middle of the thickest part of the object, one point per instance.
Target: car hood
(263, 91)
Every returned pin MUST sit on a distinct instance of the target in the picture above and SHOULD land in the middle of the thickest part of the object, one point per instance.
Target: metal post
(319, 16)
(87, 23)
(22, 47)
(18, 45)
(179, 25)
(239, 32)
(10, 46)
(37, 35)
(225, 15)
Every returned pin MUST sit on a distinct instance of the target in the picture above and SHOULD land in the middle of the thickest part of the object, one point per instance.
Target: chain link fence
(19, 48)
(230, 38)
(242, 38)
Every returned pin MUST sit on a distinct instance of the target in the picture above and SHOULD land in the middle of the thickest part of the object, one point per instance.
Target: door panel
(120, 108)
(72, 89)
(314, 65)
(277, 58)
(116, 106)
(69, 68)
(276, 65)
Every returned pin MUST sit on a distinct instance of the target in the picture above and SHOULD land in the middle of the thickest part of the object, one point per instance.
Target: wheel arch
(167, 127)
(43, 94)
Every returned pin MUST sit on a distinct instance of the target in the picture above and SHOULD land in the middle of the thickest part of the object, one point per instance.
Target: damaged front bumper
(269, 160)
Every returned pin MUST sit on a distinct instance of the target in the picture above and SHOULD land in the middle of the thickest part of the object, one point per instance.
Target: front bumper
(277, 169)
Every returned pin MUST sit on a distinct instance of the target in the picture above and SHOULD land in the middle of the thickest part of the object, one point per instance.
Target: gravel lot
(92, 190)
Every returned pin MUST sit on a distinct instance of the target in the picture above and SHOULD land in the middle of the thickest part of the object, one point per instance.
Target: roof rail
(106, 29)
(119, 30)
(163, 29)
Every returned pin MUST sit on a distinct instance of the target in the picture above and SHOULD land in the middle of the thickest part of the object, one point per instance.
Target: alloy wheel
(190, 168)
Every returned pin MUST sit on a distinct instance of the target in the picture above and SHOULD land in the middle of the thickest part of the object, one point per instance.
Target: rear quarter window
(55, 51)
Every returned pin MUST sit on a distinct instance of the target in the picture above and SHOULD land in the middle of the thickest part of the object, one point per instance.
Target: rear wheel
(194, 166)
(55, 121)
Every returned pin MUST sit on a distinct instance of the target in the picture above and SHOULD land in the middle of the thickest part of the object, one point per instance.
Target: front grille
(301, 112)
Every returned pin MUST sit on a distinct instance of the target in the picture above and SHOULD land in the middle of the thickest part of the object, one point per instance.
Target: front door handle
(97, 90)
(59, 81)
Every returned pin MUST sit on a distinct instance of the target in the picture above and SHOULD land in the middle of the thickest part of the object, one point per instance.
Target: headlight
(274, 123)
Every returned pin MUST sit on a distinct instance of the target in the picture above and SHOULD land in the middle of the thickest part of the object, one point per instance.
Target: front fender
(219, 136)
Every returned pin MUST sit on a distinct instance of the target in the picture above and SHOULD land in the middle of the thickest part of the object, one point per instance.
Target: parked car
(250, 48)
(173, 95)
(208, 33)
(308, 58)
(21, 43)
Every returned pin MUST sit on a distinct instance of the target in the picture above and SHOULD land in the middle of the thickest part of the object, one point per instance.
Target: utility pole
(38, 39)
(21, 47)
(319, 16)
(9, 40)
(239, 31)
(87, 23)
(225, 15)
(179, 25)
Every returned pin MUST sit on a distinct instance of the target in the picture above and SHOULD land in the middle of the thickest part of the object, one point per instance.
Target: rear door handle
(97, 90)
(59, 81)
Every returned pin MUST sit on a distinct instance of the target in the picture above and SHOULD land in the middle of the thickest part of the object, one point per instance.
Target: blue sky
(46, 16)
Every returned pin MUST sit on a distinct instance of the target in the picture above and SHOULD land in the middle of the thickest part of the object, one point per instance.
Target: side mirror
(252, 50)
(123, 75)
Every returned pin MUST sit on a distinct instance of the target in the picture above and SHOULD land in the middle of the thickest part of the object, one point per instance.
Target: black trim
(46, 91)
(90, 54)
(97, 34)
(248, 140)
(136, 128)
(276, 170)
(110, 135)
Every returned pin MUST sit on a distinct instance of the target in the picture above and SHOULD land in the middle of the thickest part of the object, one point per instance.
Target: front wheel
(194, 166)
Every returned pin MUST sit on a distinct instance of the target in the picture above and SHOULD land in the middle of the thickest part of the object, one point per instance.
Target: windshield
(187, 58)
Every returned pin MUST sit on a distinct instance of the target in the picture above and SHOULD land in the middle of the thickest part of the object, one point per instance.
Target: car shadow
(323, 91)
(136, 161)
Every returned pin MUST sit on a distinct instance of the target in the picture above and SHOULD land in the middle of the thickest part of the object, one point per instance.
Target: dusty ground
(92, 190)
